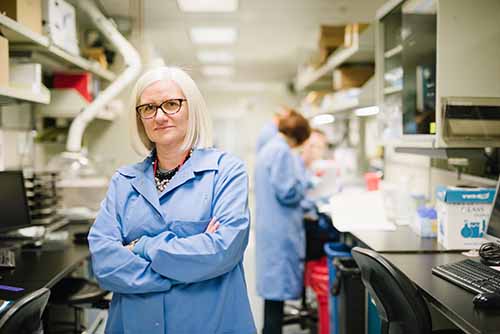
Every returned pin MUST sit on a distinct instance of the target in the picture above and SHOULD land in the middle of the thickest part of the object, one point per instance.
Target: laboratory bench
(415, 257)
(38, 267)
(453, 302)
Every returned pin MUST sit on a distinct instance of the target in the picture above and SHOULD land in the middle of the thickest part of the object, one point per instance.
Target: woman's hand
(131, 245)
(213, 226)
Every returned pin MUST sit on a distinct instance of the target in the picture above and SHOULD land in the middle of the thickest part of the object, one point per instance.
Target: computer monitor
(493, 230)
(14, 210)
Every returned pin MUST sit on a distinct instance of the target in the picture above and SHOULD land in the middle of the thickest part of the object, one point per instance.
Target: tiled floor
(255, 301)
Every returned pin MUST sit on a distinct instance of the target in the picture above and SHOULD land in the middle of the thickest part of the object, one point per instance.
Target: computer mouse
(487, 300)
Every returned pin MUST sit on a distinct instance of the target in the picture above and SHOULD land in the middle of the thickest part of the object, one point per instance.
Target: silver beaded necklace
(163, 177)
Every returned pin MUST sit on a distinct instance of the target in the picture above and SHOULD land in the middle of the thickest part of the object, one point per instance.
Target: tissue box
(59, 23)
(463, 215)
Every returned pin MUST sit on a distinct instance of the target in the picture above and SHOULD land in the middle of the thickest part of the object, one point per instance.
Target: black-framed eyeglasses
(169, 107)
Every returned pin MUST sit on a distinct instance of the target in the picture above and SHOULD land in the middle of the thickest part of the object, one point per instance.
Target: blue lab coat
(266, 134)
(280, 238)
(178, 279)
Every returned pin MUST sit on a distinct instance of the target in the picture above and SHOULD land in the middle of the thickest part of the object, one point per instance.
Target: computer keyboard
(470, 275)
(7, 258)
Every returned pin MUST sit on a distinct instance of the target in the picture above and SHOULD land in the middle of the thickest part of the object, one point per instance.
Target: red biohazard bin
(316, 277)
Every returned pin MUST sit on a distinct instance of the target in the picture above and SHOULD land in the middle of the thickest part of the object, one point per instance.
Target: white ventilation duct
(133, 67)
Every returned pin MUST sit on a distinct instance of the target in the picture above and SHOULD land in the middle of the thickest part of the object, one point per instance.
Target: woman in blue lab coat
(280, 185)
(270, 129)
(170, 236)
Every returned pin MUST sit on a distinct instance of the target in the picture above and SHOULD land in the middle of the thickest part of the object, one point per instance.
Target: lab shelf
(38, 44)
(361, 51)
(13, 94)
(68, 103)
(392, 90)
(394, 51)
(348, 100)
(47, 56)
(18, 33)
(443, 153)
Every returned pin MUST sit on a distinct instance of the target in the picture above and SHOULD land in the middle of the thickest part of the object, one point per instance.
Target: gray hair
(199, 133)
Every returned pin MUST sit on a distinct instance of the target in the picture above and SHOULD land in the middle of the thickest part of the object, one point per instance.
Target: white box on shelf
(463, 215)
(68, 103)
(59, 23)
(26, 76)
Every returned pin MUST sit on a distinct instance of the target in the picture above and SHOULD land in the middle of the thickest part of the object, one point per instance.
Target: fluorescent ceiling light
(368, 111)
(208, 5)
(220, 35)
(219, 71)
(215, 57)
(322, 119)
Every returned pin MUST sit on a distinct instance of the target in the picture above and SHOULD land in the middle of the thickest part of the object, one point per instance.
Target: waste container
(316, 277)
(350, 292)
(334, 250)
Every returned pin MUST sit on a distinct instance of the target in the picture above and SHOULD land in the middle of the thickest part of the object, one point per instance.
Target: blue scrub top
(280, 186)
(178, 279)
(269, 130)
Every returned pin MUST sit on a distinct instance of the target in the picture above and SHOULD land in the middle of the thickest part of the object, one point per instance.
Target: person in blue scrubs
(270, 129)
(170, 235)
(280, 186)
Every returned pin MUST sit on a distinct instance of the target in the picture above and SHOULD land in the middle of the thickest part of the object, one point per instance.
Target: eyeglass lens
(168, 107)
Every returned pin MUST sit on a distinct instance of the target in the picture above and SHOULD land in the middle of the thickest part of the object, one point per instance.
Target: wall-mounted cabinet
(438, 72)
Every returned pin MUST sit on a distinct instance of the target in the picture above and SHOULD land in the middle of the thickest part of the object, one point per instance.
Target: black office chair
(400, 305)
(77, 293)
(24, 316)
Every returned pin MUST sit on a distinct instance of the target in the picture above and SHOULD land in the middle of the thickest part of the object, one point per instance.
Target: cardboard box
(351, 76)
(26, 12)
(4, 62)
(351, 30)
(331, 36)
(463, 215)
(59, 23)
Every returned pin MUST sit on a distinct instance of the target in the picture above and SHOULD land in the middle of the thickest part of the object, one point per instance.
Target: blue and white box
(463, 215)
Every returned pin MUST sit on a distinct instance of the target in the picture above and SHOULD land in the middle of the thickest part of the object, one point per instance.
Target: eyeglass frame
(159, 107)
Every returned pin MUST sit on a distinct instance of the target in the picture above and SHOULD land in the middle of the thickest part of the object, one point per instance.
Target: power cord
(489, 253)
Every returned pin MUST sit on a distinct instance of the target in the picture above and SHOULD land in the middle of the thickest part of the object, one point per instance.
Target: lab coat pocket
(185, 228)
(141, 219)
(143, 313)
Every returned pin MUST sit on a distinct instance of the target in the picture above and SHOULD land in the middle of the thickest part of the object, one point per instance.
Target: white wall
(240, 111)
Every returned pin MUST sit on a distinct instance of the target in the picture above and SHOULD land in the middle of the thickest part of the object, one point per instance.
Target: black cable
(490, 253)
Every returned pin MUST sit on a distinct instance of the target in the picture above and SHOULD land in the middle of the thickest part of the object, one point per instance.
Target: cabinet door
(418, 38)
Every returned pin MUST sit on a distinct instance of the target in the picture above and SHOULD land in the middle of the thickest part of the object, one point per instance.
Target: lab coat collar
(142, 173)
(201, 160)
(143, 181)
